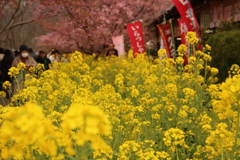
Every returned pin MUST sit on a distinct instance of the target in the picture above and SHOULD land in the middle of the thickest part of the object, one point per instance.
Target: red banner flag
(183, 30)
(166, 35)
(135, 32)
(185, 9)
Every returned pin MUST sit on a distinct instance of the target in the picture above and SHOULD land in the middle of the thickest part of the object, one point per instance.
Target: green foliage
(227, 26)
(225, 51)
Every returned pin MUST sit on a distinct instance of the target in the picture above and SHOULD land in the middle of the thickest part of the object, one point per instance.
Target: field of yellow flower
(124, 109)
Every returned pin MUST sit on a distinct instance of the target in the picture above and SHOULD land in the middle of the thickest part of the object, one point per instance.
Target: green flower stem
(205, 74)
(16, 80)
(3, 100)
(222, 152)
(177, 154)
(190, 52)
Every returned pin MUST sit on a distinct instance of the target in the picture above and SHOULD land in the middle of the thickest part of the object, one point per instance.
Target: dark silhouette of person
(112, 51)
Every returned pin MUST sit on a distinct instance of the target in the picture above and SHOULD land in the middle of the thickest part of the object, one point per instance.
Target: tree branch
(13, 17)
(20, 23)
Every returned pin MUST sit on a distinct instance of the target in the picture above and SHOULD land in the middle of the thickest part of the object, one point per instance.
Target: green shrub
(225, 51)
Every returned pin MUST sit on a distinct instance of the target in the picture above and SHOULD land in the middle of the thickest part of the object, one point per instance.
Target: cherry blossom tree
(87, 24)
(75, 24)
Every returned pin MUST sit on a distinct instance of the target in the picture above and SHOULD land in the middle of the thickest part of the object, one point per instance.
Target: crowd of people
(26, 55)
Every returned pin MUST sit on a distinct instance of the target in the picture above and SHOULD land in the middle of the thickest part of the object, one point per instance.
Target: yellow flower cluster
(192, 59)
(228, 93)
(214, 71)
(199, 53)
(182, 49)
(174, 137)
(142, 151)
(234, 70)
(27, 130)
(119, 81)
(21, 66)
(191, 38)
(134, 92)
(32, 69)
(189, 93)
(219, 141)
(6, 85)
(179, 60)
(207, 47)
(162, 52)
(130, 108)
(13, 71)
(2, 94)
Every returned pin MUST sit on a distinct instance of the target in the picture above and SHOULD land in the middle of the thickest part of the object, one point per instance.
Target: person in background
(42, 58)
(16, 53)
(112, 51)
(28, 60)
(50, 53)
(25, 58)
(1, 53)
(66, 56)
(104, 50)
(56, 56)
(5, 66)
(33, 54)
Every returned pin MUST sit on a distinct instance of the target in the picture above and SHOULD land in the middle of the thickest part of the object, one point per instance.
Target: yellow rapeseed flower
(21, 66)
(179, 60)
(162, 52)
(13, 71)
(182, 49)
(2, 94)
(32, 69)
(208, 47)
(6, 85)
(214, 71)
(191, 38)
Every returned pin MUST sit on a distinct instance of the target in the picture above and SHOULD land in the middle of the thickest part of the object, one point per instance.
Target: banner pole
(191, 17)
(173, 40)
(144, 38)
